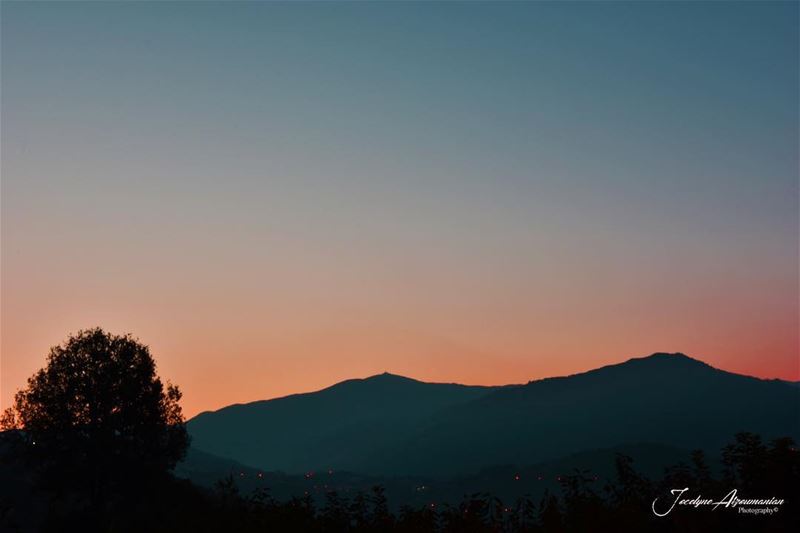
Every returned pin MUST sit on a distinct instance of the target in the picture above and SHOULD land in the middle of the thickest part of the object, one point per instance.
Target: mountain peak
(668, 354)
(676, 357)
(388, 376)
(661, 361)
(383, 379)
(646, 365)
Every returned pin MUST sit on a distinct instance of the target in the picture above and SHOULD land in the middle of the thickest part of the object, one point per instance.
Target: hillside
(390, 425)
(670, 399)
(338, 427)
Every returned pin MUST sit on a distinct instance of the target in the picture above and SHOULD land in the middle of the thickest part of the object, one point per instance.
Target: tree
(745, 461)
(97, 418)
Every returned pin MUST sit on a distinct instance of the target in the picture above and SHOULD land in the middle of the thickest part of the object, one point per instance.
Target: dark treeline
(624, 503)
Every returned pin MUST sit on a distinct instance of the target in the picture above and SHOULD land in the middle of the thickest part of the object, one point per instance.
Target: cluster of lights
(517, 477)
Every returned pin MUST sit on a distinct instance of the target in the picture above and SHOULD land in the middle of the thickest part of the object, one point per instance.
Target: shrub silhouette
(97, 421)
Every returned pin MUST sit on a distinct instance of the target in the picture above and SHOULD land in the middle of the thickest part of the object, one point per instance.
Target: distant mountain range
(389, 425)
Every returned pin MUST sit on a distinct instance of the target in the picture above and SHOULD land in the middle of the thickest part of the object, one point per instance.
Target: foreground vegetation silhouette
(96, 426)
(91, 442)
(622, 504)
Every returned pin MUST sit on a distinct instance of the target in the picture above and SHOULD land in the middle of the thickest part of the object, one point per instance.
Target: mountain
(670, 399)
(339, 427)
(206, 469)
(389, 425)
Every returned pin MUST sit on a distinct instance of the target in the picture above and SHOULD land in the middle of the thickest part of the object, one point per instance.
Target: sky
(279, 196)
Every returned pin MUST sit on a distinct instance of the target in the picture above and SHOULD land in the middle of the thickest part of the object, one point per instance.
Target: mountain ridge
(655, 356)
(382, 377)
(392, 425)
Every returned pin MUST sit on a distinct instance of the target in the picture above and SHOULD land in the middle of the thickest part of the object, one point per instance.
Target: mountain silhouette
(339, 427)
(390, 425)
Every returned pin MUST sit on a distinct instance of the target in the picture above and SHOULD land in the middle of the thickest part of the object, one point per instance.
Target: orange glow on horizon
(210, 380)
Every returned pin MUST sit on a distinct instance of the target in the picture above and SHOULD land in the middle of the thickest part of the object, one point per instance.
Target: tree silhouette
(97, 419)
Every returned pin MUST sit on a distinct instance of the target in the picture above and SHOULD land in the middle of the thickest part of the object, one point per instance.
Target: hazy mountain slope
(669, 399)
(206, 469)
(340, 427)
(508, 482)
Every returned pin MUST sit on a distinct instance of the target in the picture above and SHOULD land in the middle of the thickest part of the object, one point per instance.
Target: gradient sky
(276, 197)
